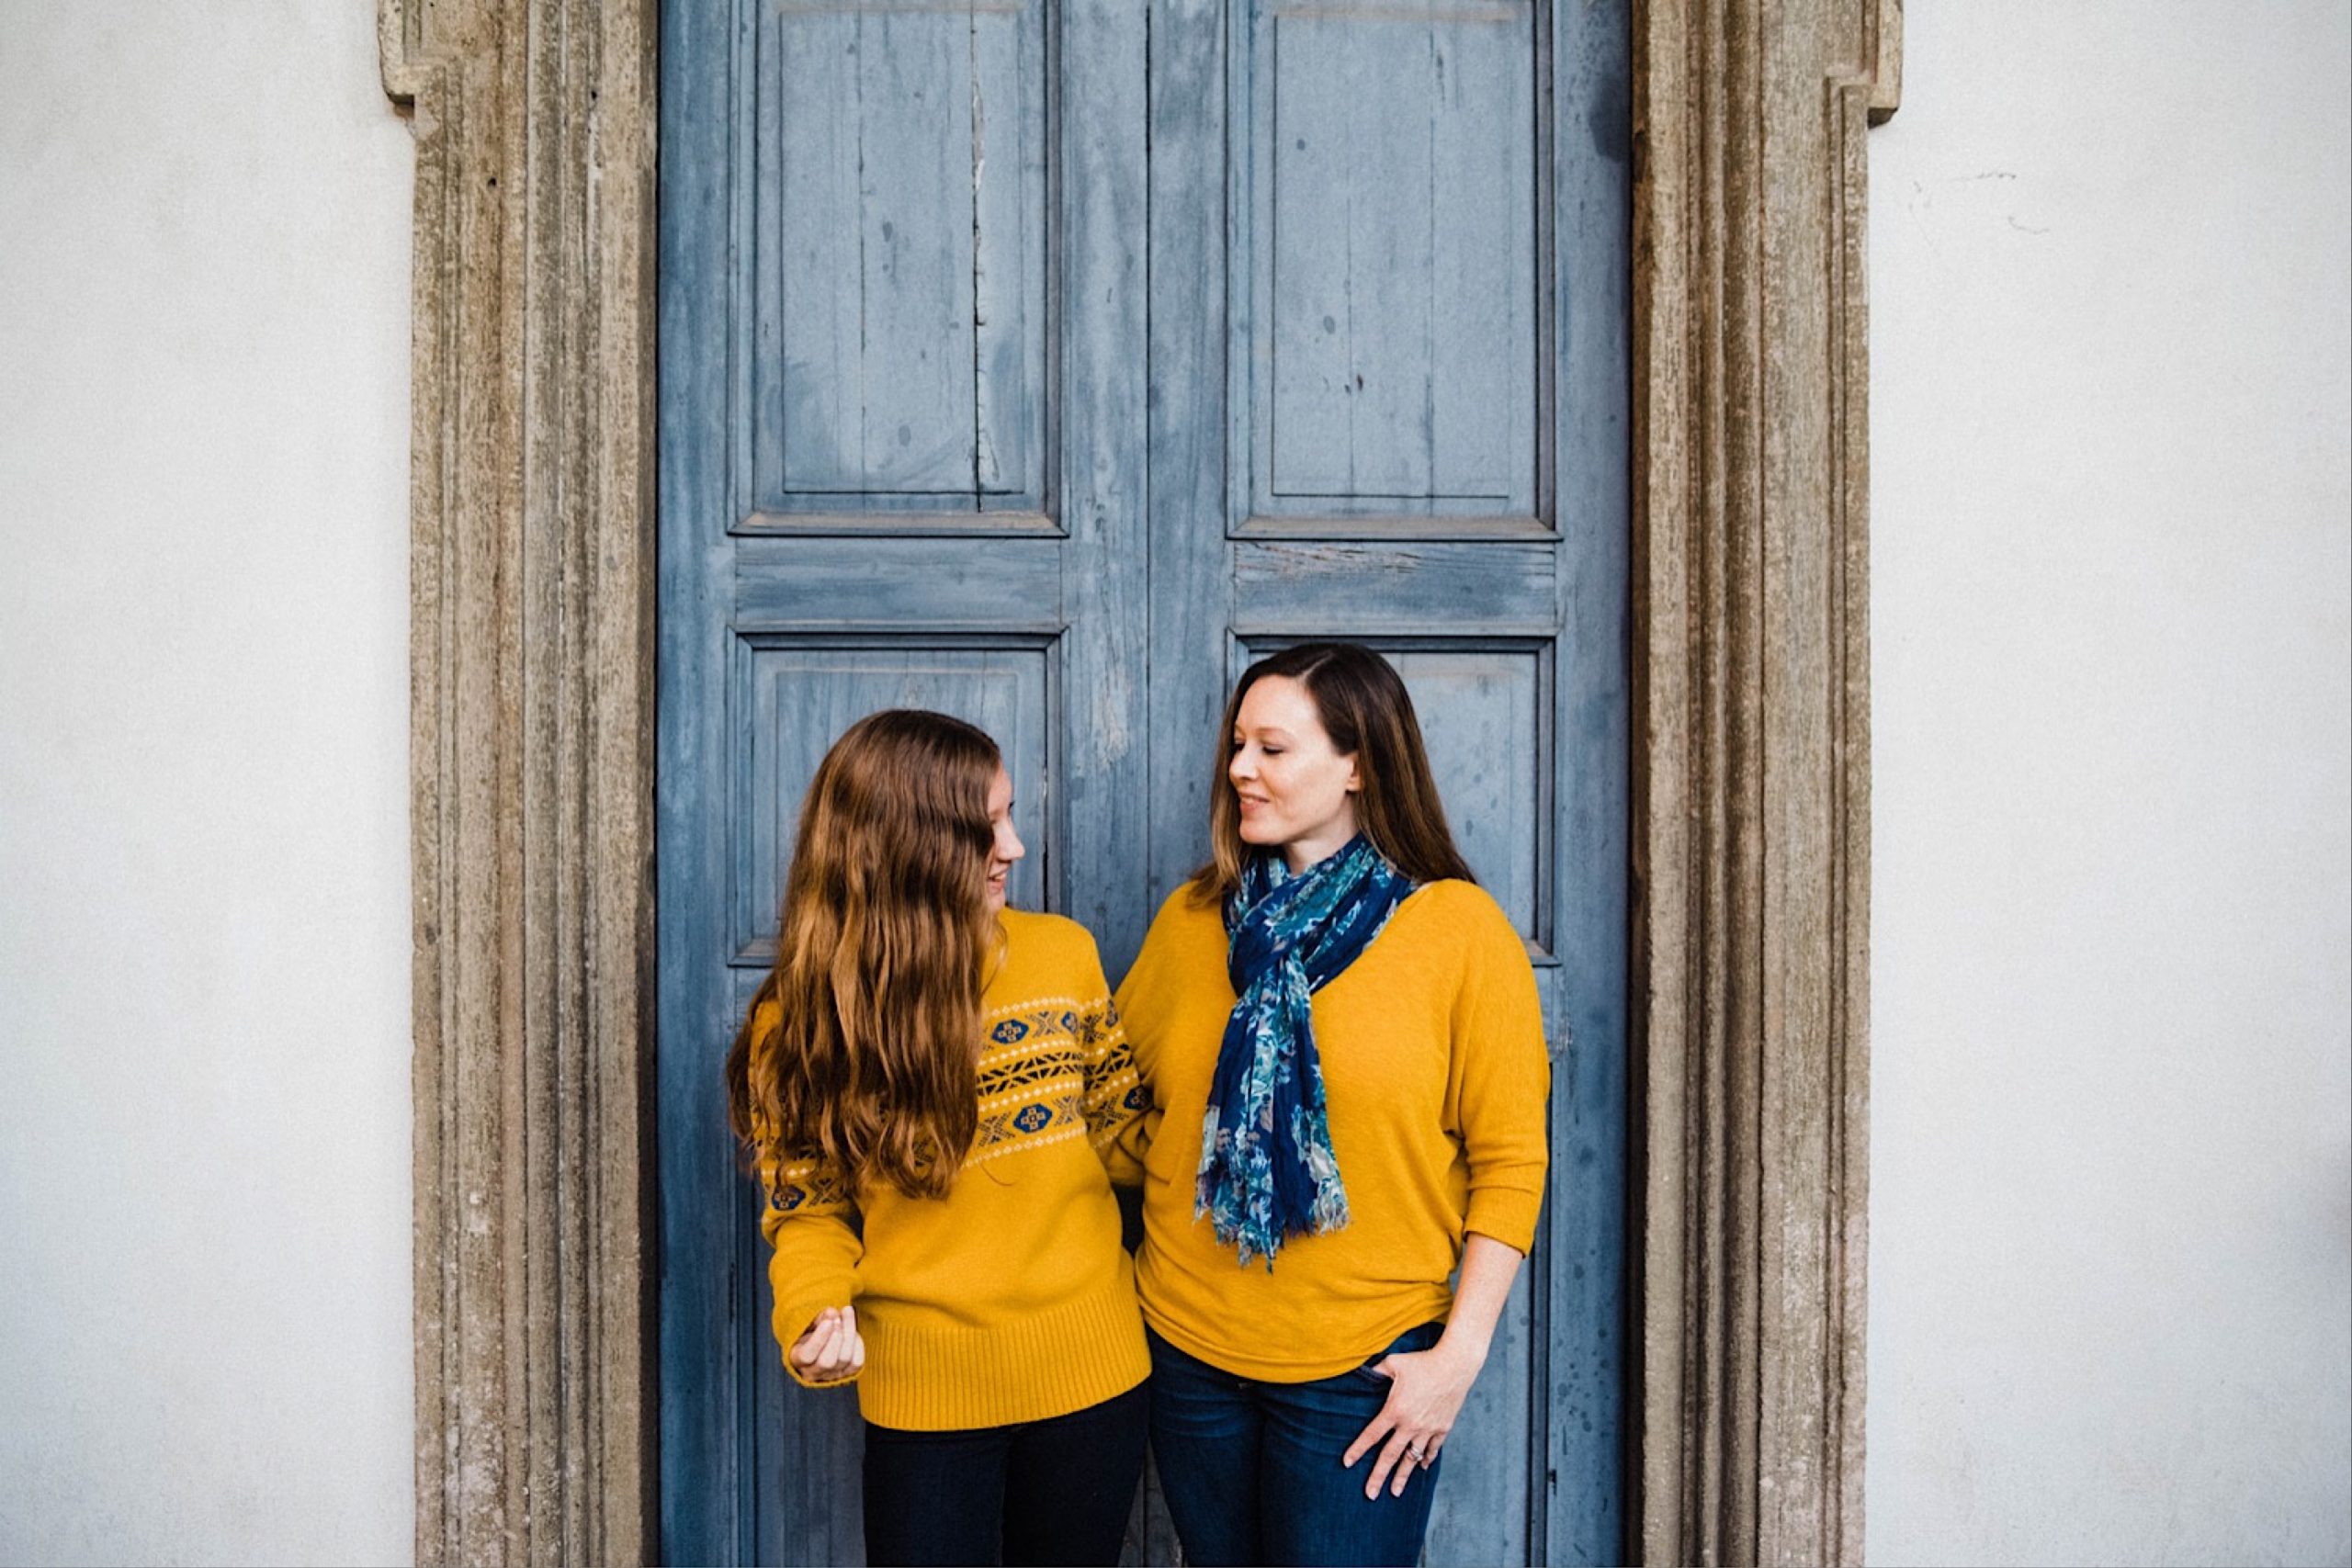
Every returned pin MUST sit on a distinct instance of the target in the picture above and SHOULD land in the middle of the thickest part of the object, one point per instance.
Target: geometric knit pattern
(1053, 1069)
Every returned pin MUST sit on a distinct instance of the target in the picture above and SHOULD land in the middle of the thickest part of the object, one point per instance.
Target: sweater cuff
(1506, 1214)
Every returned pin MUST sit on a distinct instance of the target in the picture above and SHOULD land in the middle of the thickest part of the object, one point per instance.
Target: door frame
(531, 756)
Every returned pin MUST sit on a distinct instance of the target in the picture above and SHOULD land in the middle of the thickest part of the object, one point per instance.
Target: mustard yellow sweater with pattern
(1435, 1075)
(1009, 1298)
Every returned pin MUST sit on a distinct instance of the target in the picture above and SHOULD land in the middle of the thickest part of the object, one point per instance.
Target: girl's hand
(1426, 1388)
(831, 1351)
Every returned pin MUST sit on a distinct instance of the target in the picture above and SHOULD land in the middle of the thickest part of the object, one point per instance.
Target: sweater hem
(932, 1377)
(1225, 1359)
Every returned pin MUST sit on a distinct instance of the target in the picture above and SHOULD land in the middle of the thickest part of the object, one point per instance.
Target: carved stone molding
(1751, 795)
(532, 770)
(531, 755)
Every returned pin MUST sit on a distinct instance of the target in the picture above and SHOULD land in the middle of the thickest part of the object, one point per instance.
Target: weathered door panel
(1044, 362)
(902, 350)
(1389, 293)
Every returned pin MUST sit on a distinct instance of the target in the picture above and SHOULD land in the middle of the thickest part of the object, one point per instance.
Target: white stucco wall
(204, 1010)
(2111, 1190)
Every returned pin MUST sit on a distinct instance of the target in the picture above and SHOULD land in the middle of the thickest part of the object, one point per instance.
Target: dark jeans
(1251, 1470)
(1036, 1492)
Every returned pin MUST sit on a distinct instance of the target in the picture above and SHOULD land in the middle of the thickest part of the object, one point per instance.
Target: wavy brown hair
(1369, 716)
(882, 951)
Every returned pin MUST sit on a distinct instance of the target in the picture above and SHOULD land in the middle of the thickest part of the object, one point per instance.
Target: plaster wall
(205, 1344)
(2110, 1191)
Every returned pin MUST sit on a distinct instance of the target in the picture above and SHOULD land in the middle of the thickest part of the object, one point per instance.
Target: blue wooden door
(1044, 361)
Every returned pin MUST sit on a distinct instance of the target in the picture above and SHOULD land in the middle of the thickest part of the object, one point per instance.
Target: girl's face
(1008, 847)
(1296, 790)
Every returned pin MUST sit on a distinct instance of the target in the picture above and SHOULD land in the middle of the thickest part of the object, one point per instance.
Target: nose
(1243, 767)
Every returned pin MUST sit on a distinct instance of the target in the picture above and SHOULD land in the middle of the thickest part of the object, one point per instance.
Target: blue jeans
(1251, 1469)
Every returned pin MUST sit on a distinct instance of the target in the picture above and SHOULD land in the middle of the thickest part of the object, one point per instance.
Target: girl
(951, 1071)
(1342, 1031)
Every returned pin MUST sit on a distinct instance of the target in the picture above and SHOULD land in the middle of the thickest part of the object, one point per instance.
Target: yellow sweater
(1435, 1075)
(1011, 1298)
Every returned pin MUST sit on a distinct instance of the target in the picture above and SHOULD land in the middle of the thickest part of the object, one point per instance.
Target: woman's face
(1296, 790)
(1008, 847)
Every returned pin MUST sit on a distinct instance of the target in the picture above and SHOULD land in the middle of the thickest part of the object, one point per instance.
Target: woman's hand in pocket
(831, 1350)
(1426, 1388)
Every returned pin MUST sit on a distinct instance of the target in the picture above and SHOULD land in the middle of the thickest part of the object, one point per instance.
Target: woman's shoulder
(1187, 932)
(1456, 895)
(1048, 938)
(1045, 955)
(1187, 915)
(1190, 902)
(1466, 912)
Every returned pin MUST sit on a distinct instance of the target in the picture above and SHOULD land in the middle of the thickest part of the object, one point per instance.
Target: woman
(1352, 1025)
(951, 1072)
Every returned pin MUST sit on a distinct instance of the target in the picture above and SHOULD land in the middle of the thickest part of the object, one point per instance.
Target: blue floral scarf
(1267, 1169)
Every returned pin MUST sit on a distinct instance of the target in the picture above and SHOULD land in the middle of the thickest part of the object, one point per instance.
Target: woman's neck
(1300, 854)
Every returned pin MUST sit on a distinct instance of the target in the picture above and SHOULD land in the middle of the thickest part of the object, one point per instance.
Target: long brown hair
(882, 951)
(1369, 716)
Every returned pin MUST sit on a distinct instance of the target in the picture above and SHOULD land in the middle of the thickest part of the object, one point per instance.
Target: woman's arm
(1499, 1099)
(1426, 1388)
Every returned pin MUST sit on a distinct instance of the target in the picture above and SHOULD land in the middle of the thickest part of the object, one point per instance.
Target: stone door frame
(532, 689)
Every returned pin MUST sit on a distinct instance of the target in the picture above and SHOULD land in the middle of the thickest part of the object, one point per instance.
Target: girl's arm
(813, 1271)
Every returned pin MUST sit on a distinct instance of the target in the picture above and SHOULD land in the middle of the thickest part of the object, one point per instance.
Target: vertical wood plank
(1194, 494)
(1151, 1533)
(1387, 245)
(811, 1447)
(1482, 287)
(915, 205)
(1581, 1394)
(1302, 225)
(808, 360)
(1103, 78)
(1008, 94)
(1480, 1514)
(803, 1448)
(701, 1492)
